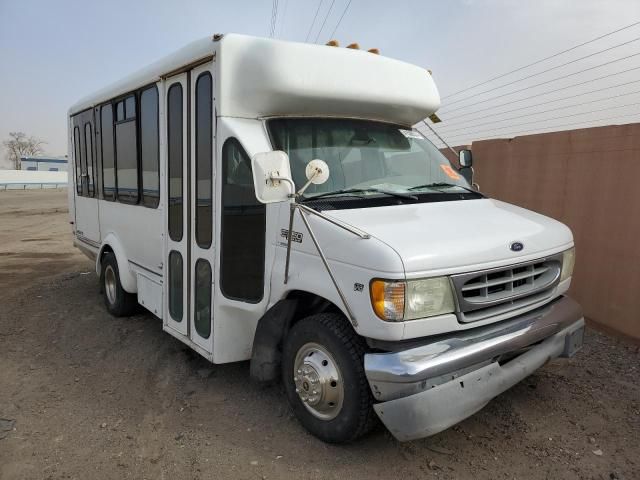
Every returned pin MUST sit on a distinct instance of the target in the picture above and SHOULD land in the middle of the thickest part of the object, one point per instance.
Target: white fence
(24, 179)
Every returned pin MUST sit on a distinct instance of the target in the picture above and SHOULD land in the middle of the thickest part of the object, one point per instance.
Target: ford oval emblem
(516, 247)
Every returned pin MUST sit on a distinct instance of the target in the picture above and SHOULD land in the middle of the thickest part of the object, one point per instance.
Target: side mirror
(272, 177)
(465, 158)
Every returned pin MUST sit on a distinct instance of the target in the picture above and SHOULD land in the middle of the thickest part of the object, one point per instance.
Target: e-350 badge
(295, 236)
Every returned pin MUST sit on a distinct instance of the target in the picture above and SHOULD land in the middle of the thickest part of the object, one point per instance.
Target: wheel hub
(318, 381)
(110, 284)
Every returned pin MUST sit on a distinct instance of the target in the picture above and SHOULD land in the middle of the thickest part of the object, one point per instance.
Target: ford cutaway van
(272, 201)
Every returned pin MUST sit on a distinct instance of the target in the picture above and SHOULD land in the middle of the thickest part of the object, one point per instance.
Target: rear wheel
(324, 378)
(119, 302)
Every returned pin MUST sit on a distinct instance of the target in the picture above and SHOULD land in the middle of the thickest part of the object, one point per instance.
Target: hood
(461, 235)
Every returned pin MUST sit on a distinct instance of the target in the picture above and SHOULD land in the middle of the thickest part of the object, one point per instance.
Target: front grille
(496, 291)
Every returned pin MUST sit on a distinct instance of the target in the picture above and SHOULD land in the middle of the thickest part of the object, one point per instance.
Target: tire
(119, 302)
(330, 337)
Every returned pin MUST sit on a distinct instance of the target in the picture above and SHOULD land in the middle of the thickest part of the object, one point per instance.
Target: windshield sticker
(411, 134)
(450, 172)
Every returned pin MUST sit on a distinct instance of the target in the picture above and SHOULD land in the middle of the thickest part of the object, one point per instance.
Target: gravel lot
(84, 395)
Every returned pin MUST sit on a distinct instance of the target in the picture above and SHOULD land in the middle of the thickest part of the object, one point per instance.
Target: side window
(174, 146)
(127, 152)
(243, 228)
(175, 286)
(149, 148)
(77, 159)
(202, 310)
(204, 160)
(88, 154)
(108, 159)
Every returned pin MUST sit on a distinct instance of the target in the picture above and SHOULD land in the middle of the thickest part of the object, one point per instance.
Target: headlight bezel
(388, 308)
(568, 264)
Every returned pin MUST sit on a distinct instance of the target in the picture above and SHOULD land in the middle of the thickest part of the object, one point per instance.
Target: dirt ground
(87, 396)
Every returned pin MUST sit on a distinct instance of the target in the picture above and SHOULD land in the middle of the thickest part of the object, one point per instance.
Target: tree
(19, 145)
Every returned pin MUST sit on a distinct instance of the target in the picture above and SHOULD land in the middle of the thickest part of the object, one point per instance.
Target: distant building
(45, 164)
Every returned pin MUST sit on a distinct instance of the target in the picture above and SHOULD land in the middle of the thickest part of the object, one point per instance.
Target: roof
(44, 160)
(259, 77)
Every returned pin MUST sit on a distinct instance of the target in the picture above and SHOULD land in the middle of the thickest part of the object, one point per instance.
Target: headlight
(568, 261)
(397, 301)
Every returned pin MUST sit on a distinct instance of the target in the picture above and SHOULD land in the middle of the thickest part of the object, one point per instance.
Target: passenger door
(190, 239)
(176, 277)
(86, 185)
(202, 225)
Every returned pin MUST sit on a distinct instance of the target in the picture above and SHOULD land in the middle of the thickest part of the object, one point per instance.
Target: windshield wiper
(435, 185)
(362, 190)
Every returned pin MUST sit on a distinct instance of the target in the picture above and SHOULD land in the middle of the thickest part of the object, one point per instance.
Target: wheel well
(106, 249)
(309, 304)
(273, 327)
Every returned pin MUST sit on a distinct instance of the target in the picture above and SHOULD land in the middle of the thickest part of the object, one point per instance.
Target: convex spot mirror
(465, 158)
(272, 177)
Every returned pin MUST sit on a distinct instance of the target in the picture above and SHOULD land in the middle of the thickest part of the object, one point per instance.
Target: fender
(127, 279)
(267, 353)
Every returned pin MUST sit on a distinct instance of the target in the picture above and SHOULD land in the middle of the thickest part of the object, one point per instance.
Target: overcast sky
(54, 52)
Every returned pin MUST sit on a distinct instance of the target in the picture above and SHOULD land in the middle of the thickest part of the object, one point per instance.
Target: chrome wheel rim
(110, 284)
(318, 381)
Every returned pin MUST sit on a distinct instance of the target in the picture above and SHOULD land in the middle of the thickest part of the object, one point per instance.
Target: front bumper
(428, 388)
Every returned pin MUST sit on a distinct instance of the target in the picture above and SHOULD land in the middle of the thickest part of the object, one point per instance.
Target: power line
(284, 17)
(324, 21)
(545, 71)
(546, 82)
(541, 60)
(528, 131)
(468, 119)
(563, 107)
(465, 134)
(344, 12)
(314, 21)
(274, 18)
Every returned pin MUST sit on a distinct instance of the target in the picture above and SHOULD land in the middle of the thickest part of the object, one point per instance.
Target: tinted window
(88, 148)
(130, 107)
(175, 286)
(108, 161)
(127, 158)
(120, 111)
(202, 319)
(149, 147)
(77, 159)
(174, 144)
(204, 160)
(243, 228)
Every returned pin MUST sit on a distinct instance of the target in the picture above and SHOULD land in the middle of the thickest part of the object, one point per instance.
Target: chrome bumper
(427, 389)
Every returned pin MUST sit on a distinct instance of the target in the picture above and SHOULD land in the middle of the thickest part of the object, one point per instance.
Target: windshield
(365, 156)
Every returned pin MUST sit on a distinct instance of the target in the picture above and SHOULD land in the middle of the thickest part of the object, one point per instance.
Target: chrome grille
(496, 291)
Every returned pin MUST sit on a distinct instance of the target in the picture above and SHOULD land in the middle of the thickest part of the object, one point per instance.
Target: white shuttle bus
(270, 201)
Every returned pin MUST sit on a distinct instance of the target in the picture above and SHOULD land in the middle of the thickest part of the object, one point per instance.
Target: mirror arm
(359, 233)
(325, 262)
(284, 179)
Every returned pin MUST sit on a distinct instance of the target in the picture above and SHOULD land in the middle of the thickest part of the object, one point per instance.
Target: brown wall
(589, 180)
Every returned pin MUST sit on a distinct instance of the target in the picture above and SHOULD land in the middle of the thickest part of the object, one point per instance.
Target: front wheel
(324, 378)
